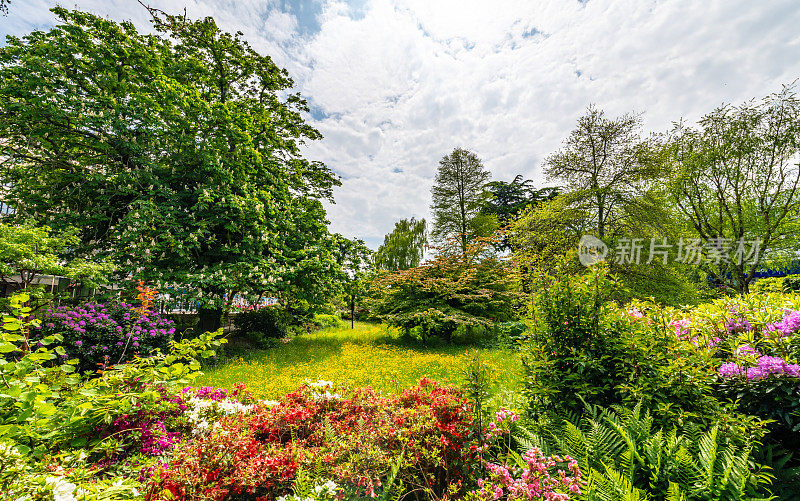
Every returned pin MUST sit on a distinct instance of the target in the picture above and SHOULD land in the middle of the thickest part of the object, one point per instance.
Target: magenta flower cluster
(765, 367)
(98, 334)
(206, 393)
(542, 478)
(786, 326)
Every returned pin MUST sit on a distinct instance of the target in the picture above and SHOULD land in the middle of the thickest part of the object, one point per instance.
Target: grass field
(369, 355)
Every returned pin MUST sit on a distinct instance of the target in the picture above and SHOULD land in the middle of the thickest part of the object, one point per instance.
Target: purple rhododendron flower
(735, 325)
(765, 367)
(788, 325)
(747, 351)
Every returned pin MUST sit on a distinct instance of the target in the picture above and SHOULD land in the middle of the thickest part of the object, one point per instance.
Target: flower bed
(99, 335)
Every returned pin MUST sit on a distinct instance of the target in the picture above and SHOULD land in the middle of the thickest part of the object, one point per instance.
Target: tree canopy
(176, 154)
(736, 179)
(600, 163)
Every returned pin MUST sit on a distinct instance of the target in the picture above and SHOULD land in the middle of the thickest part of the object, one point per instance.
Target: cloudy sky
(396, 84)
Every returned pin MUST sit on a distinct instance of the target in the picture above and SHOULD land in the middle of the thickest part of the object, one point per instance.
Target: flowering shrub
(99, 335)
(534, 479)
(753, 347)
(69, 436)
(353, 437)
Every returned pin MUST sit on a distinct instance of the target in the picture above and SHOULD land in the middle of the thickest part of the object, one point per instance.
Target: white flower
(62, 490)
(319, 384)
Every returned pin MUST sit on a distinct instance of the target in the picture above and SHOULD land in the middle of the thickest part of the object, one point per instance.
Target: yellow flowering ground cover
(369, 355)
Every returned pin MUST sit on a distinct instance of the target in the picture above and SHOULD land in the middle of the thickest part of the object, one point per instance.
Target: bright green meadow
(368, 355)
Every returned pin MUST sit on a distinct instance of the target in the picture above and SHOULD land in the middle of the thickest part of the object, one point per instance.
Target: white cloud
(403, 82)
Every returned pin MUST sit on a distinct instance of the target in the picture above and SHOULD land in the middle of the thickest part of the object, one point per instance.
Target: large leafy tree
(470, 291)
(177, 154)
(404, 247)
(600, 164)
(458, 197)
(736, 178)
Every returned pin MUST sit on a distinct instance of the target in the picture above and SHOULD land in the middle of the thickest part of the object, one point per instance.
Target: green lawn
(369, 355)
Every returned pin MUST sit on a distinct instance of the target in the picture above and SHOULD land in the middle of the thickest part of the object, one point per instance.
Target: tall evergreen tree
(458, 195)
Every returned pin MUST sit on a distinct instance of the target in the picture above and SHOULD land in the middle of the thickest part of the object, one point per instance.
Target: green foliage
(176, 154)
(628, 458)
(790, 284)
(328, 321)
(507, 200)
(29, 252)
(451, 292)
(581, 346)
(457, 199)
(600, 163)
(269, 322)
(769, 284)
(404, 247)
(355, 265)
(46, 407)
(571, 351)
(735, 177)
(478, 377)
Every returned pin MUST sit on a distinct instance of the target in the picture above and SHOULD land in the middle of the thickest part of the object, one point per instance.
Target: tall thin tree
(457, 196)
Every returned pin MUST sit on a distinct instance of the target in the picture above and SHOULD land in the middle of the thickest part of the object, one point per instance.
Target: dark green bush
(267, 322)
(791, 283)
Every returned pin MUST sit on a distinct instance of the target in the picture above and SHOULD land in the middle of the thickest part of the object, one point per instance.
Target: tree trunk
(352, 312)
(210, 319)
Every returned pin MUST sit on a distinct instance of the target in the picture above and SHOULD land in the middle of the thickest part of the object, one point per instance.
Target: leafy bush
(769, 284)
(791, 283)
(626, 457)
(258, 340)
(99, 335)
(512, 334)
(468, 291)
(584, 348)
(270, 321)
(328, 321)
(575, 351)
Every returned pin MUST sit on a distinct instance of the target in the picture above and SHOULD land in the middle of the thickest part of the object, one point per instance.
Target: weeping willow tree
(404, 247)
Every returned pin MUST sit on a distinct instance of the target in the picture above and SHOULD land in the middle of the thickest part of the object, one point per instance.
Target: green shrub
(262, 341)
(791, 283)
(770, 284)
(328, 321)
(573, 352)
(270, 321)
(583, 347)
(511, 335)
